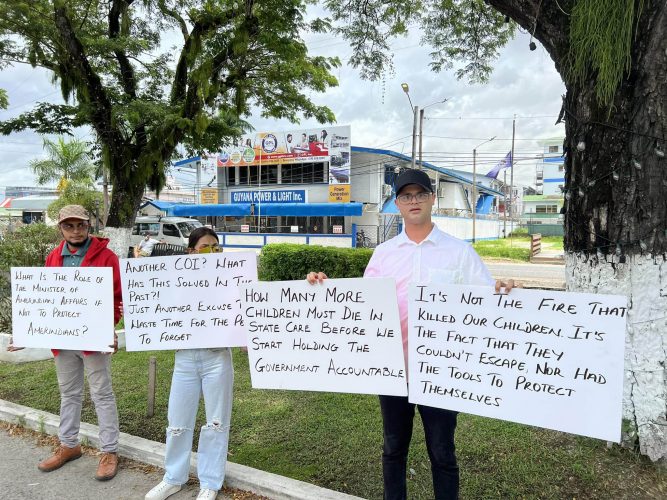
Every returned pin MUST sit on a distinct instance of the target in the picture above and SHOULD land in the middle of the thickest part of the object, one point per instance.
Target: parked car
(172, 230)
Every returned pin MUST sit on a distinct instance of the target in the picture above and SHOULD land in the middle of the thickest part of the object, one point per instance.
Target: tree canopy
(150, 75)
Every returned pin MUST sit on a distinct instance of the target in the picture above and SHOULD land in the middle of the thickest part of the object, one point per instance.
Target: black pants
(439, 427)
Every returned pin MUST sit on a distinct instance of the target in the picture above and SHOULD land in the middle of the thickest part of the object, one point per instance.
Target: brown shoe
(61, 456)
(108, 467)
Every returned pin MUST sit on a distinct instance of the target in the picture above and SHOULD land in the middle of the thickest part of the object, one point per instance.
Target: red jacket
(98, 255)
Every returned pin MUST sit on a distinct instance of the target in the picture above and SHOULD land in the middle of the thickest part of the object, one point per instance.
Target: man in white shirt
(145, 246)
(422, 252)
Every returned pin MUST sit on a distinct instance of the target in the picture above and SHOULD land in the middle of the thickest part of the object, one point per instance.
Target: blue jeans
(439, 426)
(196, 371)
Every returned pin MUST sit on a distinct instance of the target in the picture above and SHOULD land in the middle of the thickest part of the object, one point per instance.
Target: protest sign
(63, 308)
(538, 357)
(343, 335)
(185, 301)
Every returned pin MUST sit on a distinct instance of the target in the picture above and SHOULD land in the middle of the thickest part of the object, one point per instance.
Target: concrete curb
(152, 453)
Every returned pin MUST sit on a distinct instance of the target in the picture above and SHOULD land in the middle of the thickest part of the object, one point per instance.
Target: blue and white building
(329, 200)
(550, 173)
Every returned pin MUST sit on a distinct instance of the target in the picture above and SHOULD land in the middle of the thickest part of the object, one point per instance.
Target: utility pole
(505, 203)
(415, 126)
(198, 183)
(474, 192)
(512, 180)
(421, 134)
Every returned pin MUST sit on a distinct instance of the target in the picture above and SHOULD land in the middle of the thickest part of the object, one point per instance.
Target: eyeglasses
(81, 226)
(404, 199)
(209, 249)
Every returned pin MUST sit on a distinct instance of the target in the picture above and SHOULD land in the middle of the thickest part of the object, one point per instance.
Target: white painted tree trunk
(643, 279)
(119, 240)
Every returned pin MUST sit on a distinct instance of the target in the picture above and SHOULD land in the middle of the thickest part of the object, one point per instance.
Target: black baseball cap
(413, 176)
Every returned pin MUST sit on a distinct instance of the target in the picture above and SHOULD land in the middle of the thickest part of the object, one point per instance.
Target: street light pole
(415, 126)
(474, 187)
(474, 191)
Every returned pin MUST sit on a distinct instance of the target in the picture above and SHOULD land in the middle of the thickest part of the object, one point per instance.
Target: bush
(287, 261)
(28, 246)
(521, 232)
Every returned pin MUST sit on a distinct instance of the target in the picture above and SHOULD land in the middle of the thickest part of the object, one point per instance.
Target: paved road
(21, 480)
(547, 275)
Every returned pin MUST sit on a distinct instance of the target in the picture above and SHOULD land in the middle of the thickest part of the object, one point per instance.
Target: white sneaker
(162, 491)
(206, 494)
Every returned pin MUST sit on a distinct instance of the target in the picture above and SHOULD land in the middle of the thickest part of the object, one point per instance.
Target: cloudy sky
(523, 83)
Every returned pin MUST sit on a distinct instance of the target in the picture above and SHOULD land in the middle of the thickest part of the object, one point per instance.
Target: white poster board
(343, 335)
(63, 308)
(185, 301)
(539, 357)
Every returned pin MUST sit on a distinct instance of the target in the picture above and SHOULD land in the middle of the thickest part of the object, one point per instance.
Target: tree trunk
(125, 200)
(616, 219)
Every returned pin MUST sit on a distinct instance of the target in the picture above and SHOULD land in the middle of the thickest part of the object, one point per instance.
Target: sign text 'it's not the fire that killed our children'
(538, 357)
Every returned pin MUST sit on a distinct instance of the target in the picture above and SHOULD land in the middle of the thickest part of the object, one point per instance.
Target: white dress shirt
(440, 258)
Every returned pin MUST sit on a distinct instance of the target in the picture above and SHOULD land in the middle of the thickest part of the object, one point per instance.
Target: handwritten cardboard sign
(185, 301)
(63, 308)
(340, 336)
(538, 357)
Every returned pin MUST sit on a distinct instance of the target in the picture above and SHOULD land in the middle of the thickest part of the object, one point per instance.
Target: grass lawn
(515, 248)
(335, 440)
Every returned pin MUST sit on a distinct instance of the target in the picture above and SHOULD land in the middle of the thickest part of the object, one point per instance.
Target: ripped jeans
(196, 371)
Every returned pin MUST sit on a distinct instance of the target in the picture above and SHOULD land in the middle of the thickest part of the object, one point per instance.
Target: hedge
(288, 261)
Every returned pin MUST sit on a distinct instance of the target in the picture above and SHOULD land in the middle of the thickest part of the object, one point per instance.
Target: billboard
(325, 144)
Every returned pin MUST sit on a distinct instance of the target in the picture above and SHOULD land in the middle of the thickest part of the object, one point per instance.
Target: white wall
(462, 228)
(453, 196)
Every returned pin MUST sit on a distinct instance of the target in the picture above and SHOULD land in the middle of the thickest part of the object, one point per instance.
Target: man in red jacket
(79, 249)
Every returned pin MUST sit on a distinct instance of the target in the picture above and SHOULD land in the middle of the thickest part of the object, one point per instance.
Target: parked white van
(173, 230)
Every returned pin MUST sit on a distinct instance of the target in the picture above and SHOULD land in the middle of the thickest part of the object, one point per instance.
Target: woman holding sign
(196, 371)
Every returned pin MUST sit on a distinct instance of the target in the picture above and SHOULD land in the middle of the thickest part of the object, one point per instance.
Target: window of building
(30, 217)
(231, 175)
(269, 174)
(546, 209)
(253, 174)
(243, 175)
(553, 149)
(303, 173)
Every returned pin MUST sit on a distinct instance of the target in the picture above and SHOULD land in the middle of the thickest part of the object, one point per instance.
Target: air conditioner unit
(386, 190)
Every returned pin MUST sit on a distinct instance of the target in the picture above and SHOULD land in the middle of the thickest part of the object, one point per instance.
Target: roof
(33, 202)
(426, 165)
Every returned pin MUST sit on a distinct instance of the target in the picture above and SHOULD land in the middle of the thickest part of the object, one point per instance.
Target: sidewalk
(21, 480)
(80, 473)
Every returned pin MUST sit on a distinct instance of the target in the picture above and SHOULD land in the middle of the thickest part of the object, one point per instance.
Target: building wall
(462, 228)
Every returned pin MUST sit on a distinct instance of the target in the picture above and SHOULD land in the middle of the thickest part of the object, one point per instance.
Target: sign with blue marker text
(538, 357)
